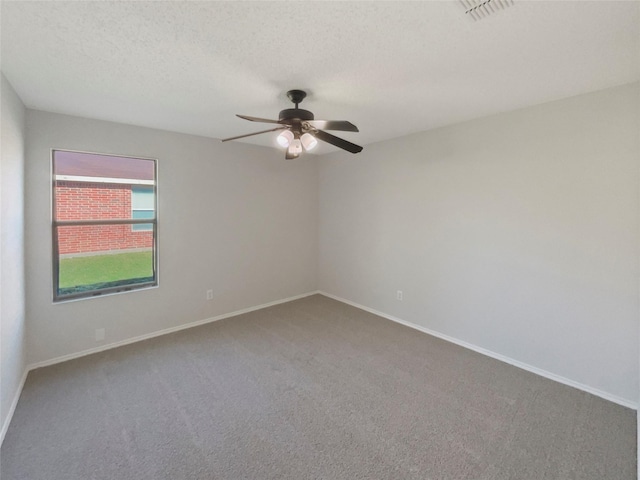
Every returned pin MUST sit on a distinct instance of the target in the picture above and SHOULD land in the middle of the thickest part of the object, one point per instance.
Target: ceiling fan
(301, 131)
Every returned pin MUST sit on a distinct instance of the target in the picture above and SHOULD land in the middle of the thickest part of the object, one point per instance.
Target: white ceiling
(392, 68)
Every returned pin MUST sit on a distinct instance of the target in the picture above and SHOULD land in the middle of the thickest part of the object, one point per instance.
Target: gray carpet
(311, 389)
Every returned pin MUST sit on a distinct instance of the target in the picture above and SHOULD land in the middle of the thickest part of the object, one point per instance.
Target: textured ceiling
(392, 68)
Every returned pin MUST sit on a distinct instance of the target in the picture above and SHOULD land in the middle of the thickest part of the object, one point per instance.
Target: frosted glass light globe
(308, 141)
(285, 138)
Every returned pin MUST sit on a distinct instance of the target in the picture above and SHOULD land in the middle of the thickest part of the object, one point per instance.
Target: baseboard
(128, 341)
(530, 368)
(497, 356)
(14, 404)
(165, 331)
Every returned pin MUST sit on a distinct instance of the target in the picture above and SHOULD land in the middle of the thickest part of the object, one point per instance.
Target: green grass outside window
(96, 271)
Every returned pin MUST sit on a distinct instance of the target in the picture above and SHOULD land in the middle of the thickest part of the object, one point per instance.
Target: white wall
(12, 294)
(517, 233)
(232, 217)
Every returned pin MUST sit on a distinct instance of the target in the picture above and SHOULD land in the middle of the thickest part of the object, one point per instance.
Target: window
(104, 224)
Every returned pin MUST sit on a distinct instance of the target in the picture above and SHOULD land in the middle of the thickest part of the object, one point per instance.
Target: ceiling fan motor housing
(295, 114)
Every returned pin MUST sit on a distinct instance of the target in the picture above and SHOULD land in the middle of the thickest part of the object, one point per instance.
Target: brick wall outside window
(96, 201)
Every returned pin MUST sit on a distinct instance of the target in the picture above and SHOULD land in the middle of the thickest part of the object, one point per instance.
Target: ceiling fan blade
(256, 119)
(255, 133)
(338, 142)
(341, 125)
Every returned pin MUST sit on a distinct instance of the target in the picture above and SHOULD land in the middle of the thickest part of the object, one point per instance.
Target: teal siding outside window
(142, 206)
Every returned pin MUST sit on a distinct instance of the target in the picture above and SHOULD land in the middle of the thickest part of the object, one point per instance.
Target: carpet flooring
(310, 389)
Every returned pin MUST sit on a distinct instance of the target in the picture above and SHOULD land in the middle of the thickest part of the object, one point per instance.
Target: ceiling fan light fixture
(296, 147)
(309, 142)
(294, 150)
(285, 138)
(296, 125)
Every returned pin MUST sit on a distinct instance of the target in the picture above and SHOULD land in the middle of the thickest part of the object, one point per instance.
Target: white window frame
(55, 224)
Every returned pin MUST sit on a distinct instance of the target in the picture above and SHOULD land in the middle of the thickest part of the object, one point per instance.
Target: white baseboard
(12, 408)
(109, 346)
(165, 331)
(497, 356)
(530, 368)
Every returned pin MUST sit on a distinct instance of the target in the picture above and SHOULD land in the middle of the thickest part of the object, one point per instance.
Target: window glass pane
(95, 251)
(87, 165)
(89, 259)
(98, 187)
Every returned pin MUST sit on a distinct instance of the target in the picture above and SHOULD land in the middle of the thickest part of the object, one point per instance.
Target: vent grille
(479, 9)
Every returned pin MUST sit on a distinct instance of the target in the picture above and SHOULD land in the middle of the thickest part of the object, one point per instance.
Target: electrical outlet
(399, 295)
(209, 294)
(99, 334)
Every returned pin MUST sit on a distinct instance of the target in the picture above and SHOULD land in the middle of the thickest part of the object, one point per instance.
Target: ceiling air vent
(479, 9)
